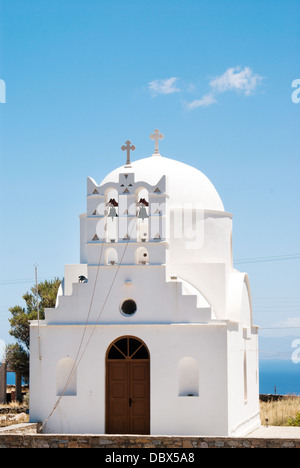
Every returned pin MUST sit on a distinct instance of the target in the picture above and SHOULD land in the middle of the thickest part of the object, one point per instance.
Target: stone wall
(173, 443)
(19, 428)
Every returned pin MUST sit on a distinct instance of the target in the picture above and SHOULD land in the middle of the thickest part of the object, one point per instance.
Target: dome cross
(128, 148)
(156, 136)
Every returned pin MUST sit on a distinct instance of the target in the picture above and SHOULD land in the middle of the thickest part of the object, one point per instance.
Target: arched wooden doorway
(127, 387)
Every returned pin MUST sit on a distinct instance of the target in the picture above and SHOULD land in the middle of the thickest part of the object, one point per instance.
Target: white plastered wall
(243, 378)
(168, 345)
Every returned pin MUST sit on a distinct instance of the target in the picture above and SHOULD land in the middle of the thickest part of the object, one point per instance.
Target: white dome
(185, 183)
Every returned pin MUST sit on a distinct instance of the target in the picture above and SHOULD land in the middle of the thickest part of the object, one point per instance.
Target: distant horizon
(269, 378)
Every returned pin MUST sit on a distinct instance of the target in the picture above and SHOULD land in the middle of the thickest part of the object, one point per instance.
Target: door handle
(130, 402)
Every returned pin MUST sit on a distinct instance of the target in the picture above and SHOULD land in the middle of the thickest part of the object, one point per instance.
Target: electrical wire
(77, 359)
(9, 282)
(273, 258)
(279, 328)
(75, 365)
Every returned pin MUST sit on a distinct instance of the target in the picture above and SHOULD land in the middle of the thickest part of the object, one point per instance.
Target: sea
(281, 377)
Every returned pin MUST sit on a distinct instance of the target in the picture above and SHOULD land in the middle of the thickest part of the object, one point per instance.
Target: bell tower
(128, 211)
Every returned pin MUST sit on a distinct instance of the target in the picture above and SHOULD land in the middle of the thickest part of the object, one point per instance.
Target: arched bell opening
(112, 214)
(142, 205)
(111, 256)
(141, 256)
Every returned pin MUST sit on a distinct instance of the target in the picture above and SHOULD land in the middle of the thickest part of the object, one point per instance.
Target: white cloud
(236, 79)
(291, 324)
(241, 80)
(166, 86)
(288, 327)
(205, 101)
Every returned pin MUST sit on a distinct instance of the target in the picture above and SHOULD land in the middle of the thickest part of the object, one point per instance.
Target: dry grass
(279, 412)
(12, 405)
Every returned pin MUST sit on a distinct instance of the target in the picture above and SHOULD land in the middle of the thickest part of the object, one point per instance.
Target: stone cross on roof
(128, 148)
(156, 136)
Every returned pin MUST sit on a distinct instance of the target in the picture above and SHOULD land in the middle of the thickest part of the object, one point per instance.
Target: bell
(143, 213)
(112, 212)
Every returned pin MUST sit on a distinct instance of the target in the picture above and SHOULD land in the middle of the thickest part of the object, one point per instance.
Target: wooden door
(118, 407)
(128, 387)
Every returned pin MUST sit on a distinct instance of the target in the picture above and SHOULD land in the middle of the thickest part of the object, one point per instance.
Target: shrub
(295, 421)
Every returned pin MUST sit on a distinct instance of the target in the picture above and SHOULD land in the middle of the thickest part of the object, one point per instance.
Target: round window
(128, 307)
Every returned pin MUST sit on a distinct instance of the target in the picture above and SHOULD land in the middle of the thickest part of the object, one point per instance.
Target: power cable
(238, 261)
(272, 258)
(75, 365)
(9, 282)
(279, 328)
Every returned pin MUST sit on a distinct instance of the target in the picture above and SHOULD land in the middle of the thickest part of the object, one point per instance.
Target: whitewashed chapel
(152, 332)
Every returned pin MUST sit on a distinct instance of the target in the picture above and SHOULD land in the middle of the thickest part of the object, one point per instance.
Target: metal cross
(156, 136)
(128, 148)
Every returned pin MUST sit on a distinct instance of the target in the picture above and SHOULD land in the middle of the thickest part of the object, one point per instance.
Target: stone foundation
(10, 439)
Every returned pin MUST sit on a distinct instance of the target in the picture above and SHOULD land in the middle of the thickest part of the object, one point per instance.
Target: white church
(152, 331)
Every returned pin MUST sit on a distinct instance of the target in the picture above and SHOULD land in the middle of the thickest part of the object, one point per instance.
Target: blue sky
(214, 76)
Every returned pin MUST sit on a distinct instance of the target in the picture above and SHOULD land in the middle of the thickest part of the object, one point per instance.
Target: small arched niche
(141, 256)
(188, 377)
(66, 377)
(111, 256)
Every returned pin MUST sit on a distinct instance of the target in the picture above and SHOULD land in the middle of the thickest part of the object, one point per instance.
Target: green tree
(17, 355)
